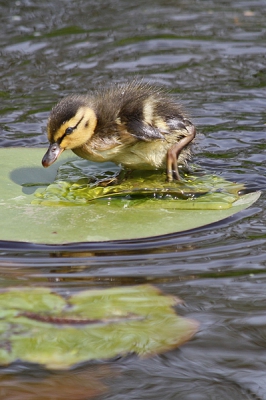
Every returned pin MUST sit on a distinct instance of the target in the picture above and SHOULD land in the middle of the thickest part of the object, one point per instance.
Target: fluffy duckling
(136, 125)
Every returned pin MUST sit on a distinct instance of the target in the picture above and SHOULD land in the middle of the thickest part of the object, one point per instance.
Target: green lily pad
(39, 326)
(65, 203)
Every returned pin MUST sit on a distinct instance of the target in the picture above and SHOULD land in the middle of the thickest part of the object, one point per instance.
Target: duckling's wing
(176, 124)
(144, 131)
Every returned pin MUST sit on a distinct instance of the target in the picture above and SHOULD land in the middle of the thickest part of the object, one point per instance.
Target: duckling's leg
(174, 151)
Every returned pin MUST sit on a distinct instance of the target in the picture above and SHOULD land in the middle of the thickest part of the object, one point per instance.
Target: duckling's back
(136, 102)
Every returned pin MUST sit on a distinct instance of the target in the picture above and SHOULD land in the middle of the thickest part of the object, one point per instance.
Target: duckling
(136, 125)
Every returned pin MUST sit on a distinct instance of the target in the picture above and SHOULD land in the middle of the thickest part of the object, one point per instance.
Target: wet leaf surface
(139, 189)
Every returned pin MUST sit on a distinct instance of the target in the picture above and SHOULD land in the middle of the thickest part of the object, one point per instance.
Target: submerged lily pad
(39, 326)
(141, 189)
(32, 201)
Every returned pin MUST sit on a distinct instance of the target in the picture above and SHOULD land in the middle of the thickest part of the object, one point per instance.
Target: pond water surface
(212, 55)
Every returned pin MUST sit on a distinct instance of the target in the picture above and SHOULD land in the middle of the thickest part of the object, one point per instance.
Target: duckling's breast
(143, 155)
(139, 155)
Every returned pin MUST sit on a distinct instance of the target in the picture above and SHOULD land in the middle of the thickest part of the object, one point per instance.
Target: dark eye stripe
(79, 122)
(70, 130)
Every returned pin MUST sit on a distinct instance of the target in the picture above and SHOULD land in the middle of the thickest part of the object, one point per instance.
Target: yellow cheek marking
(71, 123)
(60, 132)
(76, 139)
(81, 134)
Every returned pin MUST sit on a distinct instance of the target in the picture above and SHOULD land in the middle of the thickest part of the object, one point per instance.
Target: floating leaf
(41, 327)
(141, 206)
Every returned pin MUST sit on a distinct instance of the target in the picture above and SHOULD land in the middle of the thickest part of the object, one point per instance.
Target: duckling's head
(71, 124)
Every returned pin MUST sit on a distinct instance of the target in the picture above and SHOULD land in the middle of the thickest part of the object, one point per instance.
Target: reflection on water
(211, 55)
(58, 386)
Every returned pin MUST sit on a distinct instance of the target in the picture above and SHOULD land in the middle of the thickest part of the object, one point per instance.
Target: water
(212, 56)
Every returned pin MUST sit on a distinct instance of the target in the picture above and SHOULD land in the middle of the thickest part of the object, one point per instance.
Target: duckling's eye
(69, 130)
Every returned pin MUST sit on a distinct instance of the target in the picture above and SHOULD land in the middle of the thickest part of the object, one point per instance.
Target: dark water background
(212, 55)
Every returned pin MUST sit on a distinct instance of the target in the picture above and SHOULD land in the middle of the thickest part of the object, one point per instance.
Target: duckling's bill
(52, 154)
